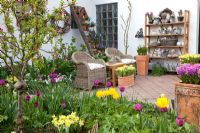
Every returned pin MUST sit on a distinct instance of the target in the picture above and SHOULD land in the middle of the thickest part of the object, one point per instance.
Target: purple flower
(108, 84)
(181, 70)
(122, 89)
(28, 97)
(151, 14)
(147, 14)
(2, 82)
(163, 110)
(179, 121)
(138, 107)
(191, 70)
(53, 75)
(53, 80)
(198, 72)
(96, 82)
(37, 93)
(36, 104)
(63, 104)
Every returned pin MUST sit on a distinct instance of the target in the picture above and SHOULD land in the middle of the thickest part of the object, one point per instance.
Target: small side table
(111, 68)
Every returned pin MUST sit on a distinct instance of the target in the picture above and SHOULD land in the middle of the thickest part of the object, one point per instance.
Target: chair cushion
(94, 66)
(128, 61)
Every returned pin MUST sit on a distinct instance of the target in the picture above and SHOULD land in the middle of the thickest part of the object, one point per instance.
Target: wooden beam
(78, 22)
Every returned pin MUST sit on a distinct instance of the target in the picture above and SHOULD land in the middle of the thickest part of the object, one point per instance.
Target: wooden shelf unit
(185, 35)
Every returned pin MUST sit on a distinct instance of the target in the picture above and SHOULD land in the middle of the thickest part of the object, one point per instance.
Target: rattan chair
(88, 70)
(115, 53)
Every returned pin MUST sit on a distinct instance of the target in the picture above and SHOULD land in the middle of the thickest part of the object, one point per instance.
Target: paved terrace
(148, 88)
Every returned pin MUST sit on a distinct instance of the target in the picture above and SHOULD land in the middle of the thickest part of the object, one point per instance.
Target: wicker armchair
(115, 53)
(88, 70)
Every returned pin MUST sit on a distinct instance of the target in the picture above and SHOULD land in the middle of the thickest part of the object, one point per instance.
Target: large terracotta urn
(187, 102)
(142, 62)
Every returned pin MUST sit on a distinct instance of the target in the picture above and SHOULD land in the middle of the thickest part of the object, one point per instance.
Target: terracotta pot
(187, 98)
(142, 62)
(127, 81)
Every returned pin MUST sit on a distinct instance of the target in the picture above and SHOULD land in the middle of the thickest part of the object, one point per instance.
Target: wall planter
(187, 97)
(142, 62)
(127, 81)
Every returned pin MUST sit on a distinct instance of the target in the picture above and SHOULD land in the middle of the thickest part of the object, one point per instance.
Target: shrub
(190, 58)
(158, 70)
(125, 71)
(142, 50)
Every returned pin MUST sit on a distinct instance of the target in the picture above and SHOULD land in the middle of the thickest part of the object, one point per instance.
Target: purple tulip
(63, 104)
(163, 110)
(2, 82)
(53, 80)
(28, 97)
(96, 82)
(108, 84)
(53, 75)
(37, 93)
(36, 104)
(122, 89)
(138, 107)
(179, 121)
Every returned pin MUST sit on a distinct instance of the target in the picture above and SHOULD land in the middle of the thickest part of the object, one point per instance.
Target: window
(107, 25)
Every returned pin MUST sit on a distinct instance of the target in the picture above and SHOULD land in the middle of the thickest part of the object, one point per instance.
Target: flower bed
(104, 111)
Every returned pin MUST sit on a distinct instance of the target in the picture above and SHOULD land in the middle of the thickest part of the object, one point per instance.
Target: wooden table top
(115, 64)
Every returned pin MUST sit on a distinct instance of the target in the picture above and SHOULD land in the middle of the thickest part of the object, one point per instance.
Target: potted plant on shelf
(180, 16)
(125, 76)
(150, 17)
(187, 92)
(142, 61)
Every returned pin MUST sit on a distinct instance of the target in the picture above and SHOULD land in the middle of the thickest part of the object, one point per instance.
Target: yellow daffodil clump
(162, 102)
(189, 58)
(110, 92)
(66, 121)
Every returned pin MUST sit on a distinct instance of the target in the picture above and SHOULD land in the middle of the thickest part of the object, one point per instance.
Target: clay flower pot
(187, 97)
(142, 62)
(127, 81)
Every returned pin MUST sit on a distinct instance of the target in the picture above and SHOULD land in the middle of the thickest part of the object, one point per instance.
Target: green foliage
(142, 50)
(119, 116)
(101, 55)
(3, 73)
(158, 70)
(83, 47)
(22, 42)
(71, 48)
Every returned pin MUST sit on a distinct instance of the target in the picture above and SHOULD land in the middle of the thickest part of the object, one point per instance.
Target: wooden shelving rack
(148, 37)
(185, 35)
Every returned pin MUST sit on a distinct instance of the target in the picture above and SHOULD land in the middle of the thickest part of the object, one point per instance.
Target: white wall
(140, 7)
(73, 32)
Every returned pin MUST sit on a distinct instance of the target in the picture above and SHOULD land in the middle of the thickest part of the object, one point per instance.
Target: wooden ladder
(78, 21)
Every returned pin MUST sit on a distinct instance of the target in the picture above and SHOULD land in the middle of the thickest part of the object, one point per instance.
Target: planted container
(125, 76)
(187, 93)
(142, 61)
